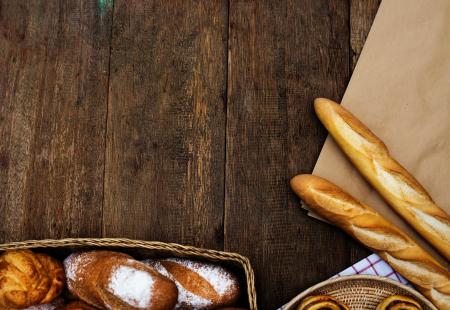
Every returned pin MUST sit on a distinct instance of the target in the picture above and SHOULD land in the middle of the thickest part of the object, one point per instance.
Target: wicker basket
(360, 292)
(147, 249)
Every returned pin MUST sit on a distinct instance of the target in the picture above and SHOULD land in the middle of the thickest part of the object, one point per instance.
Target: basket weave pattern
(361, 292)
(172, 248)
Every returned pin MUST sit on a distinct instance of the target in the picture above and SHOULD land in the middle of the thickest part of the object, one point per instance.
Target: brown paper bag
(401, 90)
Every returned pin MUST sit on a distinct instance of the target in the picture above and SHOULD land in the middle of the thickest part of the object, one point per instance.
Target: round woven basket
(361, 292)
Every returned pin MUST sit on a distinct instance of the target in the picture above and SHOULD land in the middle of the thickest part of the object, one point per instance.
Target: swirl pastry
(28, 279)
(321, 302)
(394, 183)
(399, 302)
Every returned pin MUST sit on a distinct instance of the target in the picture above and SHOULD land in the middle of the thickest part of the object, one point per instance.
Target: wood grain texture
(282, 54)
(54, 63)
(166, 123)
(362, 14)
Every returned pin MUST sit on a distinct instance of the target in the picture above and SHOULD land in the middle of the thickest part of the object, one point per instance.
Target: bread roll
(113, 280)
(322, 302)
(394, 183)
(399, 302)
(28, 279)
(200, 285)
(370, 228)
(55, 271)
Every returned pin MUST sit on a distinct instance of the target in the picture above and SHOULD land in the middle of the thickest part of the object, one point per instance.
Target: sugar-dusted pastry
(399, 302)
(200, 285)
(321, 302)
(114, 280)
(28, 279)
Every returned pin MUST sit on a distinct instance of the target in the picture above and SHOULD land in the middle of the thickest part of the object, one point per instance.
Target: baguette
(370, 228)
(394, 183)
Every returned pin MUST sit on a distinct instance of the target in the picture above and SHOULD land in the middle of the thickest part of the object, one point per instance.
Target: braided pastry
(370, 228)
(28, 279)
(394, 183)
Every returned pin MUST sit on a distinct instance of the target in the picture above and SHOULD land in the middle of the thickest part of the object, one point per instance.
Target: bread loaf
(370, 228)
(28, 279)
(200, 285)
(394, 183)
(113, 280)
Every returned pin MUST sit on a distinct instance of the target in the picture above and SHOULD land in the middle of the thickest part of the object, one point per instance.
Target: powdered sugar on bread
(74, 263)
(184, 296)
(217, 276)
(132, 285)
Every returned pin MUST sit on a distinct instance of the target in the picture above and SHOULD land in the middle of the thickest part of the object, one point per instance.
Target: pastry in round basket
(28, 279)
(322, 302)
(114, 280)
(399, 302)
(200, 285)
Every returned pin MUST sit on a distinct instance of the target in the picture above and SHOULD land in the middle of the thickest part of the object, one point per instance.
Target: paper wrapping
(401, 90)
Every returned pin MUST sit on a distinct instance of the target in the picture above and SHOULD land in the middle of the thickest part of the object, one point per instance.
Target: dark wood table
(178, 121)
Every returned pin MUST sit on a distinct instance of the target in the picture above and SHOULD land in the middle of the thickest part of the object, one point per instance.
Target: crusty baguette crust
(370, 228)
(394, 183)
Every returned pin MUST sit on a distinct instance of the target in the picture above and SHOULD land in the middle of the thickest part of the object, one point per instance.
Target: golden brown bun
(370, 228)
(77, 305)
(114, 280)
(54, 269)
(394, 183)
(322, 302)
(28, 279)
(399, 302)
(200, 285)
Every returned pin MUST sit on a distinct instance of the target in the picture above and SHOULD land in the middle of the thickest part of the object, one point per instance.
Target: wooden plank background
(177, 121)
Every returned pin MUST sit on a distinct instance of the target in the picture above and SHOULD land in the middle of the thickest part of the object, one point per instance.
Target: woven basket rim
(309, 290)
(150, 245)
(125, 242)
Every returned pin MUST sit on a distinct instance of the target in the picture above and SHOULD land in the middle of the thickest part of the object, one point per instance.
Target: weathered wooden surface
(178, 121)
(53, 91)
(166, 122)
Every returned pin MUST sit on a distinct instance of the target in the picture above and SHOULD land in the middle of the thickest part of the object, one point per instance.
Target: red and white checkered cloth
(371, 265)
